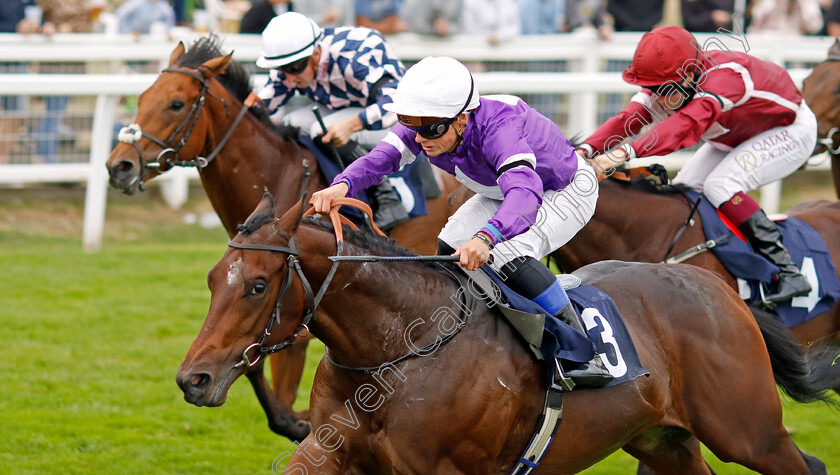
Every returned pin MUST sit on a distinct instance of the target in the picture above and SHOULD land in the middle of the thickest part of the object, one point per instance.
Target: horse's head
(821, 91)
(173, 117)
(256, 302)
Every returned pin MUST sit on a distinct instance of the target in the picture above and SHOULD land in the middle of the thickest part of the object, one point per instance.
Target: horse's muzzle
(124, 176)
(198, 389)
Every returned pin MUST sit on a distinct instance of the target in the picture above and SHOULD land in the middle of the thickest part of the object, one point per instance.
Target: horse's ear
(216, 66)
(292, 218)
(834, 51)
(176, 54)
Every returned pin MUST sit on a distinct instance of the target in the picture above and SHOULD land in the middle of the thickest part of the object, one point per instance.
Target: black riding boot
(765, 239)
(593, 373)
(388, 210)
(531, 279)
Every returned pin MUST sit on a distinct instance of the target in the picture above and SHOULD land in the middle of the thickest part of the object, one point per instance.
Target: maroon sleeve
(680, 130)
(626, 123)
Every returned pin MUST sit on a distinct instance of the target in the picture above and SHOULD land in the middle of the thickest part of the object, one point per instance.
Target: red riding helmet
(661, 55)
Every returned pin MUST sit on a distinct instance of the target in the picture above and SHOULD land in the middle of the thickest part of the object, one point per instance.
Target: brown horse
(470, 402)
(821, 90)
(635, 225)
(188, 112)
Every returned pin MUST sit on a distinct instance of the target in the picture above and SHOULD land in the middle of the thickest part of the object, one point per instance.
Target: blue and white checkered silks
(353, 59)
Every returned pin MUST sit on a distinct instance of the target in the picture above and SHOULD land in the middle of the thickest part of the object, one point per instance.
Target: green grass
(90, 343)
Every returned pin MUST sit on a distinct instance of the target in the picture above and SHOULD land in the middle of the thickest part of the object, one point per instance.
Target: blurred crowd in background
(47, 130)
(496, 20)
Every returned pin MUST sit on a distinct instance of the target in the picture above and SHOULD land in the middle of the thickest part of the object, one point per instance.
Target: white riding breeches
(762, 159)
(305, 119)
(563, 213)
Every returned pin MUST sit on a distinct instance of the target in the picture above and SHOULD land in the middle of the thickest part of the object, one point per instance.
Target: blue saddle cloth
(406, 182)
(807, 249)
(604, 327)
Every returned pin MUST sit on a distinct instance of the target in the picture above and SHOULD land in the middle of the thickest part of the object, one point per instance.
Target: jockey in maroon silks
(756, 127)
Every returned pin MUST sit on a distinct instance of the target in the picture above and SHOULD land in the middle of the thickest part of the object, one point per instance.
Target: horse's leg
(835, 172)
(668, 450)
(281, 420)
(286, 371)
(738, 416)
(311, 457)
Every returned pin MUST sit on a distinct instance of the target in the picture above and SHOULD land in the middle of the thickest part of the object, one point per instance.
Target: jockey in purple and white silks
(533, 191)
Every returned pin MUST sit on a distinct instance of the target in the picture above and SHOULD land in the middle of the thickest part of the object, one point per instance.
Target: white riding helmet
(288, 38)
(435, 87)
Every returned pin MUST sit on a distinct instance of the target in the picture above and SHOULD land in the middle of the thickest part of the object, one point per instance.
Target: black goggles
(295, 68)
(435, 130)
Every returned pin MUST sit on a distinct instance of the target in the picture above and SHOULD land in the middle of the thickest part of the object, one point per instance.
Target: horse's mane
(235, 79)
(256, 221)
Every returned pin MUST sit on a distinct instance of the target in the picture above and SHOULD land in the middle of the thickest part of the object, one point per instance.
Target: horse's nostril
(124, 167)
(200, 380)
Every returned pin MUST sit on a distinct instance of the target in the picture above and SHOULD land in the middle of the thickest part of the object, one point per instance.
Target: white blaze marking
(234, 275)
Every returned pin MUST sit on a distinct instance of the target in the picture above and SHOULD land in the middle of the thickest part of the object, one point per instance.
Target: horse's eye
(258, 288)
(177, 105)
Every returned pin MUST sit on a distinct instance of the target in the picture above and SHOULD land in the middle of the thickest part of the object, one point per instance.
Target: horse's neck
(629, 225)
(377, 312)
(254, 160)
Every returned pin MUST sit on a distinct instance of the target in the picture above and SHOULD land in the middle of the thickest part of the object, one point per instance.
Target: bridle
(293, 266)
(166, 158)
(828, 141)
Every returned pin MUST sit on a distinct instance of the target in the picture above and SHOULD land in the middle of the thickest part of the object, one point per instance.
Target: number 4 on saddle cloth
(414, 183)
(806, 247)
(604, 325)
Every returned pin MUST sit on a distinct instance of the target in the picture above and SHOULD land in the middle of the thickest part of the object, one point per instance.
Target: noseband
(828, 141)
(165, 159)
(293, 264)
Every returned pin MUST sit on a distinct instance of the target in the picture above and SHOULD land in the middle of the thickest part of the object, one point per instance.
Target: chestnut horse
(821, 91)
(468, 402)
(188, 111)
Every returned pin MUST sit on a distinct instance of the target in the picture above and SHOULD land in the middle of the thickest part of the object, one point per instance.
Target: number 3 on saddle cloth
(806, 247)
(414, 182)
(604, 327)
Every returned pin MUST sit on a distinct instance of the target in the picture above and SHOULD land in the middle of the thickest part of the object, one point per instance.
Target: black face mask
(668, 90)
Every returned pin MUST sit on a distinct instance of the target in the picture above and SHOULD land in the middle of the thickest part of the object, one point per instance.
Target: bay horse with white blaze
(193, 115)
(469, 404)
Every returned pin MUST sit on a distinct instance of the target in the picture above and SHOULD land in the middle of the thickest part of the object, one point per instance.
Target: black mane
(235, 79)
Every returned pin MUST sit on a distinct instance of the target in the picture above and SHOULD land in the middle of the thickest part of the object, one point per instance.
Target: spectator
(137, 16)
(62, 16)
(350, 73)
(380, 15)
(542, 17)
(707, 15)
(635, 15)
(582, 12)
(432, 17)
(13, 19)
(66, 16)
(328, 13)
(786, 17)
(257, 17)
(496, 20)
